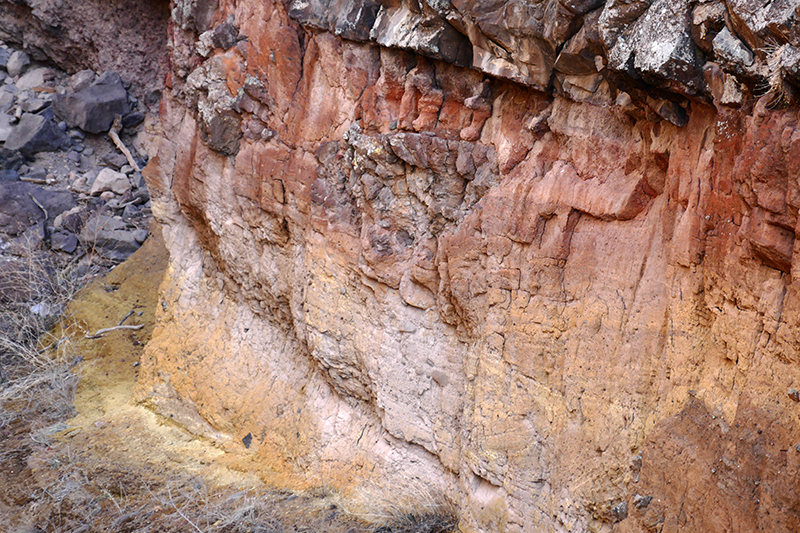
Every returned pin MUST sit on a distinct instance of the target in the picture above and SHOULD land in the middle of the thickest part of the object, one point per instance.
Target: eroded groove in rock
(391, 261)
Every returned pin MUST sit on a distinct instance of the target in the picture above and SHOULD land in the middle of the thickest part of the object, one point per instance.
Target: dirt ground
(116, 466)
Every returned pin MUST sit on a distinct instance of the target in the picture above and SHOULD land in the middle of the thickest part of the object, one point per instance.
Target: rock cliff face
(538, 255)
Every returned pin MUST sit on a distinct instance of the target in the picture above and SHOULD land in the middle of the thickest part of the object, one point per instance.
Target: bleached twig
(101, 332)
(114, 134)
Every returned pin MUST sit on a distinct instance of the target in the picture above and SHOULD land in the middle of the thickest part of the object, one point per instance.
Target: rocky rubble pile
(65, 182)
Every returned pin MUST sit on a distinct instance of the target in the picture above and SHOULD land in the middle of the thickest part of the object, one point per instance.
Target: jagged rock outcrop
(539, 255)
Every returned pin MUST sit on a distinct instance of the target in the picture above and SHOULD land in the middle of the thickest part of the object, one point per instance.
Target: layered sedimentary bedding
(538, 255)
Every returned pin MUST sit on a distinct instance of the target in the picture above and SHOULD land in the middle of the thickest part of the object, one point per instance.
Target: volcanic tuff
(537, 254)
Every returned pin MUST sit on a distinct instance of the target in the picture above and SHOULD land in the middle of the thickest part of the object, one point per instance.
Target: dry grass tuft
(412, 508)
(35, 362)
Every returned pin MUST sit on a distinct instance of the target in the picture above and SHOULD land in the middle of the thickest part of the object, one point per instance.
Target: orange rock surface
(566, 316)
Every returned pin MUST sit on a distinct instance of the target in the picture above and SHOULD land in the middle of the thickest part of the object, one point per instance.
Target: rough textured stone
(5, 55)
(109, 180)
(18, 63)
(109, 237)
(93, 109)
(35, 133)
(36, 78)
(5, 127)
(18, 211)
(540, 307)
(63, 241)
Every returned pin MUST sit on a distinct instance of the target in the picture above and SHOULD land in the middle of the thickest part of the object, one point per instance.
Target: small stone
(38, 77)
(37, 173)
(5, 127)
(794, 395)
(131, 120)
(50, 178)
(17, 63)
(140, 235)
(641, 502)
(80, 80)
(5, 55)
(34, 105)
(62, 126)
(138, 180)
(115, 161)
(109, 180)
(247, 440)
(80, 185)
(126, 169)
(64, 241)
(142, 195)
(620, 511)
(130, 212)
(88, 151)
(107, 195)
(74, 156)
(6, 101)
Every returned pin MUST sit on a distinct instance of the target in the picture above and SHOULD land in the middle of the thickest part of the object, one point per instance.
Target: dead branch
(101, 332)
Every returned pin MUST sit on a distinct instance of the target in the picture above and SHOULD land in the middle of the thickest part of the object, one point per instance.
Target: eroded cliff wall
(538, 255)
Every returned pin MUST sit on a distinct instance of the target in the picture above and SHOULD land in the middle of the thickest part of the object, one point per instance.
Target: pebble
(88, 151)
(107, 195)
(62, 126)
(74, 156)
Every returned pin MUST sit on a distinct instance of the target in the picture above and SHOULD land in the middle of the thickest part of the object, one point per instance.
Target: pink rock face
(566, 316)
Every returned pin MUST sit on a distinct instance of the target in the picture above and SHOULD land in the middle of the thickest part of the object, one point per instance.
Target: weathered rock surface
(18, 209)
(109, 180)
(571, 310)
(94, 108)
(17, 63)
(35, 133)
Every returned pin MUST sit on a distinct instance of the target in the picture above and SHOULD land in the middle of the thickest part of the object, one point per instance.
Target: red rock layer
(567, 317)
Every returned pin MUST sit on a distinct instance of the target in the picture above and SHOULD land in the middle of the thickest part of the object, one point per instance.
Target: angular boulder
(93, 109)
(109, 237)
(18, 211)
(109, 180)
(35, 133)
(17, 63)
(38, 77)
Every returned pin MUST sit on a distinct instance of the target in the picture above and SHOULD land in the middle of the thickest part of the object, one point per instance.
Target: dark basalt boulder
(93, 109)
